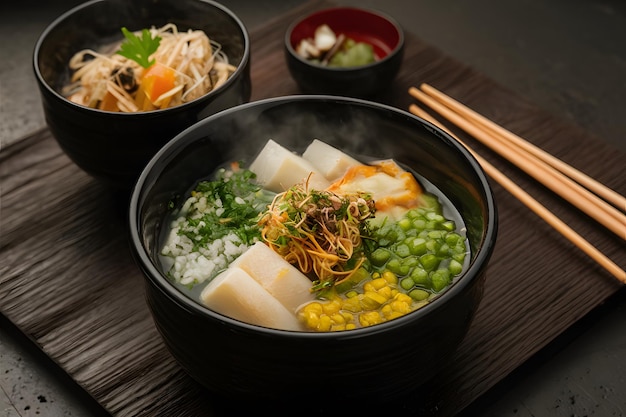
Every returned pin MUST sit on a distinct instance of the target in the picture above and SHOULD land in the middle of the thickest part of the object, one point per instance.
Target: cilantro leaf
(139, 49)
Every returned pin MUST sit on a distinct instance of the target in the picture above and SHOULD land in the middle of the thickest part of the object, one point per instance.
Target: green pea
(405, 224)
(410, 261)
(440, 279)
(459, 257)
(432, 245)
(411, 233)
(417, 246)
(404, 270)
(419, 295)
(444, 249)
(429, 261)
(435, 217)
(455, 267)
(407, 284)
(419, 224)
(452, 239)
(436, 234)
(448, 225)
(402, 250)
(394, 265)
(380, 256)
(413, 214)
(460, 247)
(419, 276)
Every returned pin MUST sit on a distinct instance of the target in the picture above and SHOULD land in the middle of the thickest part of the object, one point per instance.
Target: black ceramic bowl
(243, 361)
(116, 146)
(361, 25)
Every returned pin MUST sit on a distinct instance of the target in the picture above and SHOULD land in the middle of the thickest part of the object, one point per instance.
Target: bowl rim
(153, 274)
(375, 12)
(245, 59)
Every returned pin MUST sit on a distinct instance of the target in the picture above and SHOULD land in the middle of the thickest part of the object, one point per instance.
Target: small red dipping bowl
(362, 25)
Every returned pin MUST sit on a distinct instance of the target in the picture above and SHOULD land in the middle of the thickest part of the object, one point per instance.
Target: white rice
(189, 267)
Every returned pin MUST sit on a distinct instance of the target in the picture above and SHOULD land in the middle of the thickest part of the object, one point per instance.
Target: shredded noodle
(318, 231)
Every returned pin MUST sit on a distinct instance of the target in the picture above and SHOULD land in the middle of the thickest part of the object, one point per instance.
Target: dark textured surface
(88, 314)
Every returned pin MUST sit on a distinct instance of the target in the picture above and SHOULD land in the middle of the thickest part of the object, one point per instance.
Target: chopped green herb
(233, 202)
(139, 49)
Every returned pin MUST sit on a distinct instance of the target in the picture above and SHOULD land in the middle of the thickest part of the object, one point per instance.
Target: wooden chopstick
(589, 203)
(534, 205)
(580, 177)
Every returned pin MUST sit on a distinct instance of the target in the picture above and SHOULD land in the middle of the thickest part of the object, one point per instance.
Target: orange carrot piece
(158, 80)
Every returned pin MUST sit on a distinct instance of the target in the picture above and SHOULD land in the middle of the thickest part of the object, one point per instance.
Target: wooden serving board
(68, 281)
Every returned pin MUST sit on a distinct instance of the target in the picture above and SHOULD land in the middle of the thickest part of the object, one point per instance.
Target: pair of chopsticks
(593, 198)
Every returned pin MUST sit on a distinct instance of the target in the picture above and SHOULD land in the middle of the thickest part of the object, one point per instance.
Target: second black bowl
(114, 146)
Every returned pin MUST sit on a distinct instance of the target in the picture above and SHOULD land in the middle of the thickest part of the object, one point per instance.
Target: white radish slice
(236, 294)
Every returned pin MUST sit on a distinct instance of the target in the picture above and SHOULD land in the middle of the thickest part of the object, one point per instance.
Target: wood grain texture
(68, 281)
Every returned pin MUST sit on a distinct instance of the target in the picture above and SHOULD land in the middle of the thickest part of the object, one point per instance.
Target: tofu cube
(281, 279)
(278, 169)
(236, 294)
(330, 161)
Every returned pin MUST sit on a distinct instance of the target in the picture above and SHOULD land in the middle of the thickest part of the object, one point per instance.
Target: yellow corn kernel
(347, 317)
(370, 318)
(331, 307)
(313, 307)
(390, 277)
(312, 321)
(400, 306)
(403, 297)
(324, 324)
(350, 326)
(386, 311)
(379, 283)
(385, 292)
(394, 315)
(337, 318)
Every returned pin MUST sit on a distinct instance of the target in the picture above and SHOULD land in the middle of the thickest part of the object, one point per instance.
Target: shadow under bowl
(251, 363)
(114, 146)
(362, 25)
